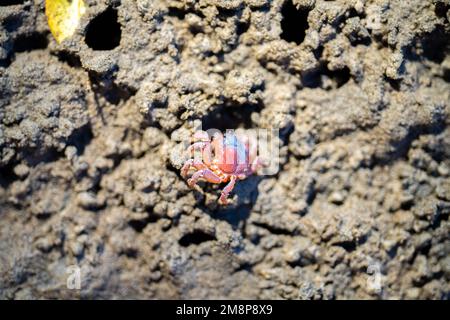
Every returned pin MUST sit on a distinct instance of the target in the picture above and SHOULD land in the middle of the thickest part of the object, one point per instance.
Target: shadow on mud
(245, 195)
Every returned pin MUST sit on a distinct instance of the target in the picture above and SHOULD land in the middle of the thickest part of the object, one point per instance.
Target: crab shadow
(245, 195)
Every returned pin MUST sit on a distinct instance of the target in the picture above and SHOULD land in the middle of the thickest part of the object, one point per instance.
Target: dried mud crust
(89, 154)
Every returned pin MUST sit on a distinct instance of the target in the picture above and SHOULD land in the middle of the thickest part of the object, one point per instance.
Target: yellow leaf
(63, 17)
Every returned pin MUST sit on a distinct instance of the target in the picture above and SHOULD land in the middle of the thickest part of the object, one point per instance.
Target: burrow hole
(104, 31)
(436, 45)
(441, 9)
(139, 225)
(196, 238)
(294, 23)
(318, 79)
(5, 3)
(176, 12)
(8, 176)
(30, 42)
(230, 117)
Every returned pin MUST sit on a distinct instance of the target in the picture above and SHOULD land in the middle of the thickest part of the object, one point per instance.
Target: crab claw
(191, 183)
(187, 165)
(226, 191)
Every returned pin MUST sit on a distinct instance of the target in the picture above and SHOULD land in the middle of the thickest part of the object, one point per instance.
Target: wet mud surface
(90, 156)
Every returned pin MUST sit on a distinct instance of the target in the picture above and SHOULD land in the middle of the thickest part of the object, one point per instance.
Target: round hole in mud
(435, 46)
(104, 31)
(441, 9)
(338, 77)
(175, 12)
(5, 3)
(230, 117)
(196, 238)
(294, 23)
(29, 42)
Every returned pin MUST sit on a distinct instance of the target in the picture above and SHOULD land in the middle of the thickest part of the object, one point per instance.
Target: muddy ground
(90, 160)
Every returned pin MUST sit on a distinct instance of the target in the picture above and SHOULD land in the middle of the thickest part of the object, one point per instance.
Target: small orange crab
(223, 160)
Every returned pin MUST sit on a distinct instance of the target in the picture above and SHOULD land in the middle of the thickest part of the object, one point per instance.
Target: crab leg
(226, 191)
(257, 163)
(206, 174)
(192, 163)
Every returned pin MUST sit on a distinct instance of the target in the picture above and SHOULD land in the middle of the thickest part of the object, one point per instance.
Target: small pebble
(21, 170)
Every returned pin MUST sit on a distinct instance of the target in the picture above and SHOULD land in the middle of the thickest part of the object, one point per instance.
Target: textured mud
(89, 154)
